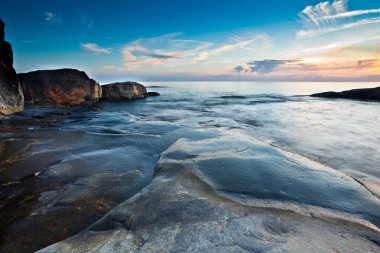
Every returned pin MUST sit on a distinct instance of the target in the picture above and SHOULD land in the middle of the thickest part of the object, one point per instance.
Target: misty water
(264, 144)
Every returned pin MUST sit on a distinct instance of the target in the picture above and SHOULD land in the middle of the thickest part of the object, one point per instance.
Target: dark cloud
(160, 56)
(267, 66)
(366, 63)
(238, 69)
(262, 67)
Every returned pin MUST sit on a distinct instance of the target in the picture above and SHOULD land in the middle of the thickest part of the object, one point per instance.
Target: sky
(198, 40)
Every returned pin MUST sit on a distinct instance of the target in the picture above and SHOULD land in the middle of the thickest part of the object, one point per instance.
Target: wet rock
(123, 91)
(61, 182)
(182, 210)
(153, 94)
(11, 97)
(365, 94)
(60, 87)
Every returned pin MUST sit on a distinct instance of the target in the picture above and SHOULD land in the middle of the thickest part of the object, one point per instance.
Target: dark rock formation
(123, 91)
(153, 94)
(60, 87)
(11, 97)
(365, 94)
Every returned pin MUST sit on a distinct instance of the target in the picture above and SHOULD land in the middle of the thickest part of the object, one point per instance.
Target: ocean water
(264, 144)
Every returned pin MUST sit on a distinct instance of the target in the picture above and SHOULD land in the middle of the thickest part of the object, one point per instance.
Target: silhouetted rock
(153, 94)
(369, 94)
(11, 97)
(123, 91)
(61, 87)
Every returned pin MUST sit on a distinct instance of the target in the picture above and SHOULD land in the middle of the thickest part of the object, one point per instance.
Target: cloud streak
(241, 43)
(94, 48)
(156, 50)
(351, 14)
(327, 17)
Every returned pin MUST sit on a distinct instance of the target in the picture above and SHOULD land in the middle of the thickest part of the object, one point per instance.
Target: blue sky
(168, 40)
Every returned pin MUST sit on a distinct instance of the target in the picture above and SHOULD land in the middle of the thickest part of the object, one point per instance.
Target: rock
(183, 210)
(123, 91)
(11, 97)
(60, 87)
(365, 94)
(153, 94)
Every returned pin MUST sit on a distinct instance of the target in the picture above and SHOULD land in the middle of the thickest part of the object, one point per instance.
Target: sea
(108, 152)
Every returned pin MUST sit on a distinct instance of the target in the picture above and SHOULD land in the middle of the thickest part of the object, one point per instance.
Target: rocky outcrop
(123, 91)
(153, 94)
(365, 94)
(60, 87)
(11, 97)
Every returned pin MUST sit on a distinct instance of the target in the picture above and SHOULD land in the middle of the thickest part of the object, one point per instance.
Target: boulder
(11, 97)
(365, 94)
(153, 94)
(60, 87)
(123, 91)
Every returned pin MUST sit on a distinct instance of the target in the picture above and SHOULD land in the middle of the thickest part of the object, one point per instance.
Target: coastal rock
(60, 87)
(123, 91)
(153, 94)
(11, 97)
(365, 94)
(186, 208)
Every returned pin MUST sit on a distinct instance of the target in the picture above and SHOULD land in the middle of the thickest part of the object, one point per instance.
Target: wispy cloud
(247, 43)
(156, 50)
(350, 14)
(171, 50)
(94, 48)
(311, 33)
(52, 17)
(327, 17)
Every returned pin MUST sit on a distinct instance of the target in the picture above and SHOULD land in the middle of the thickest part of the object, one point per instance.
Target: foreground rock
(11, 97)
(60, 87)
(369, 94)
(123, 91)
(189, 207)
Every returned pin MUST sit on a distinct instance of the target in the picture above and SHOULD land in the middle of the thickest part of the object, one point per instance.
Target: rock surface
(153, 94)
(11, 97)
(184, 210)
(123, 91)
(365, 94)
(60, 87)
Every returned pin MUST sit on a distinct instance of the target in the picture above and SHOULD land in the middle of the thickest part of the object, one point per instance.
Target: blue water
(264, 144)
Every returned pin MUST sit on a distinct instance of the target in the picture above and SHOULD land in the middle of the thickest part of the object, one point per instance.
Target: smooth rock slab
(183, 210)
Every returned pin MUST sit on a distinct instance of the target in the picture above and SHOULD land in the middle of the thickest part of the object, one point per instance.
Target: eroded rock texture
(60, 87)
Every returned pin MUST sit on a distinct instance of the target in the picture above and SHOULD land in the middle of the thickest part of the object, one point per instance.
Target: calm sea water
(343, 134)
(263, 144)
